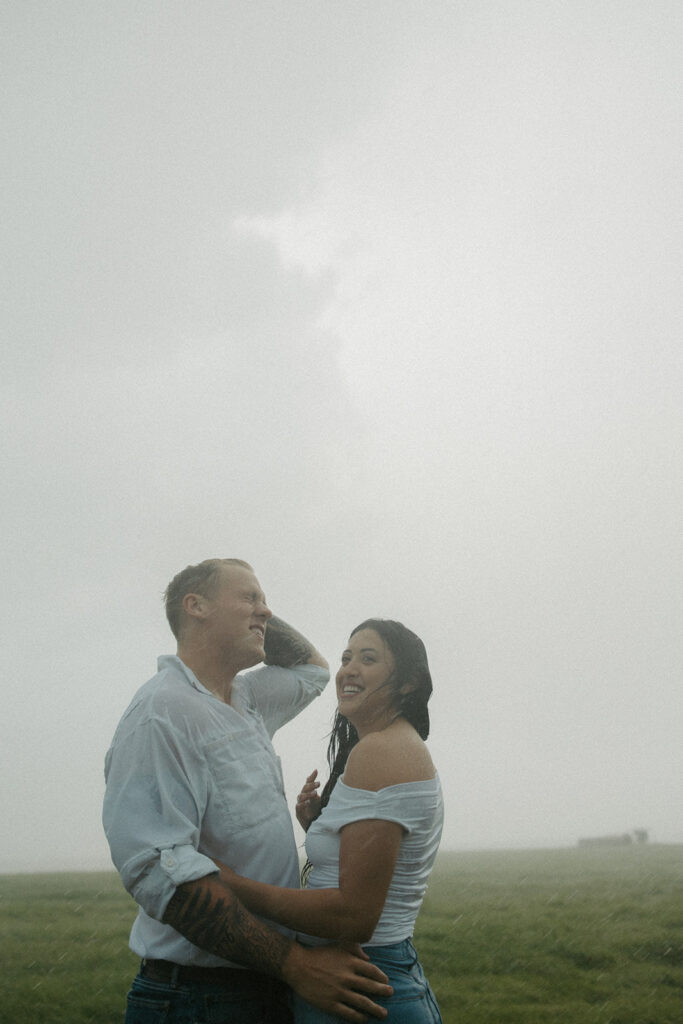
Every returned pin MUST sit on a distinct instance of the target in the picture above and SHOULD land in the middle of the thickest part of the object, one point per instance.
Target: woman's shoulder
(388, 758)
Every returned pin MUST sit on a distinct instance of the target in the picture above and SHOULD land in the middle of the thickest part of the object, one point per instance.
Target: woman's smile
(364, 691)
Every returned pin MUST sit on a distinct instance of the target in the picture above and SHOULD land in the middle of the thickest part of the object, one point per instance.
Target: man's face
(238, 614)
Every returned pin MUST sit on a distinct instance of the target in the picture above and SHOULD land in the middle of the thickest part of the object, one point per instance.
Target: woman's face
(362, 695)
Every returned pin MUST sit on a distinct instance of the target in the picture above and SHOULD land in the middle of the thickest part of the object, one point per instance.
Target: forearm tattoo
(284, 645)
(221, 925)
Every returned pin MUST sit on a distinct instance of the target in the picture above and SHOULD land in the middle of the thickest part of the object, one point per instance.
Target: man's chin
(255, 656)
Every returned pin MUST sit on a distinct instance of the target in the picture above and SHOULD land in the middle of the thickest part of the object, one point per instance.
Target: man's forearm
(209, 914)
(285, 646)
(338, 981)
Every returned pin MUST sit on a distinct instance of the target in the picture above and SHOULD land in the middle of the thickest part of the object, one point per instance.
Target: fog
(385, 299)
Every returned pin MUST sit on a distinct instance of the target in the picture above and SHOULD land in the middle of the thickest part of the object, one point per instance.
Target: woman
(373, 835)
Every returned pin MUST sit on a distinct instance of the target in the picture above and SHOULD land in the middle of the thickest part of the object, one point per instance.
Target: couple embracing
(199, 829)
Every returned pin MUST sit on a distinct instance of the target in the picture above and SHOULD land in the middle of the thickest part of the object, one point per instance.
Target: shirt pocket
(247, 780)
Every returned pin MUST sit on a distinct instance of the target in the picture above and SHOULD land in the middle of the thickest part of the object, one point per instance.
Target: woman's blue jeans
(413, 1001)
(251, 999)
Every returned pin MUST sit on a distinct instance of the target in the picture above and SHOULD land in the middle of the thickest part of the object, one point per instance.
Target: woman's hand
(308, 802)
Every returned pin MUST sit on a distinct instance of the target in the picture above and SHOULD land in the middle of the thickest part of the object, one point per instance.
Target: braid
(343, 739)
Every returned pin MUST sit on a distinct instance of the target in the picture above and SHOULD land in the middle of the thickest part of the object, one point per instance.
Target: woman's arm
(367, 858)
(350, 913)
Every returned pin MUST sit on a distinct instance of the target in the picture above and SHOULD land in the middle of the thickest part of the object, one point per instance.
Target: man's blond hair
(194, 579)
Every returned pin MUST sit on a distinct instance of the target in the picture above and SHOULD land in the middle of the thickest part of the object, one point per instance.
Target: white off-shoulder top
(418, 808)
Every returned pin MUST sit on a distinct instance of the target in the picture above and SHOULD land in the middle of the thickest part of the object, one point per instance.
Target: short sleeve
(394, 803)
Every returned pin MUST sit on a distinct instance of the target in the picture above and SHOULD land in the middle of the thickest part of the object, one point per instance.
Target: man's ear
(195, 605)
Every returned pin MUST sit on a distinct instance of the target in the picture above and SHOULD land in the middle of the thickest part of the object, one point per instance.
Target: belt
(182, 974)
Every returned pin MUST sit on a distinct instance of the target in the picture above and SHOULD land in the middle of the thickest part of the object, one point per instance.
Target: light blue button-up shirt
(190, 778)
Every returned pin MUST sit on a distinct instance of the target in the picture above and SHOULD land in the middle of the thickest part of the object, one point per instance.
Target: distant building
(622, 840)
(639, 835)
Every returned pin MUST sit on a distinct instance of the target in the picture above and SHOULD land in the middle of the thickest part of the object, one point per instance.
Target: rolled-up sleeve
(154, 802)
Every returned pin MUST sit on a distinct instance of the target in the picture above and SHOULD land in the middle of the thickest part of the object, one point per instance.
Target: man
(192, 778)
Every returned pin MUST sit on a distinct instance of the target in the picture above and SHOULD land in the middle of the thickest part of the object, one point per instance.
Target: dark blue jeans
(413, 1001)
(250, 999)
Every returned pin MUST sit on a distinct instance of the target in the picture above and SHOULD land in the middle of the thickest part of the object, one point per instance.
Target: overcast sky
(383, 297)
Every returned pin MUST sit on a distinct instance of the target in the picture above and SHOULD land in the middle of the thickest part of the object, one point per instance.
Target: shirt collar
(172, 661)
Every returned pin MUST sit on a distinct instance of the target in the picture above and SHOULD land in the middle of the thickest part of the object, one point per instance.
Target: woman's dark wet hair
(411, 673)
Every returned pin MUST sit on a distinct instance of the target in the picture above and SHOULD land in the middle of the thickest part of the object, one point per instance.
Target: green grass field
(576, 936)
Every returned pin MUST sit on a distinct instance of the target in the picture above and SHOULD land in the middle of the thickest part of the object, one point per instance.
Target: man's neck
(209, 671)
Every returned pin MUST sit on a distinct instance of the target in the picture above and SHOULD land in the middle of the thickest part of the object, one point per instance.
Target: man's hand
(338, 981)
(308, 802)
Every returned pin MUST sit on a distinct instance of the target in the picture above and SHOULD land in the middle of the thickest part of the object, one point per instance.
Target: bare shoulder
(388, 758)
